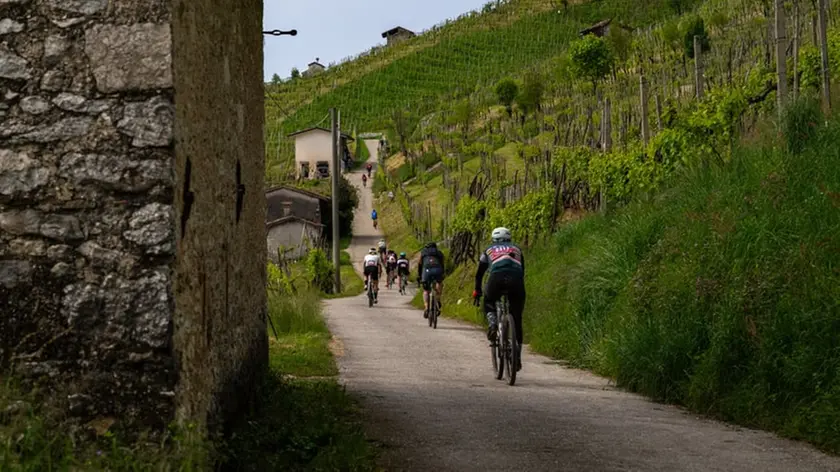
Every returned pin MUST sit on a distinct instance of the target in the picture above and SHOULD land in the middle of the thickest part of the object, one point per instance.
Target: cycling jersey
(392, 259)
(503, 257)
(402, 266)
(371, 260)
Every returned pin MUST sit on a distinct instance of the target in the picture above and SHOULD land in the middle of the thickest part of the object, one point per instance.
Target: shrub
(319, 271)
(800, 123)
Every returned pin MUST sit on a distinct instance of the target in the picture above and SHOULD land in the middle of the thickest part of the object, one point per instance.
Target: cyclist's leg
(491, 295)
(426, 287)
(439, 290)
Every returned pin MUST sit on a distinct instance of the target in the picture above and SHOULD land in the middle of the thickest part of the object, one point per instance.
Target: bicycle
(370, 292)
(402, 285)
(434, 309)
(374, 224)
(505, 356)
(391, 277)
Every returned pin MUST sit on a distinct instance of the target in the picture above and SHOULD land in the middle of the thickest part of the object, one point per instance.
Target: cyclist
(402, 269)
(382, 248)
(369, 167)
(430, 269)
(373, 216)
(372, 269)
(364, 180)
(391, 263)
(507, 276)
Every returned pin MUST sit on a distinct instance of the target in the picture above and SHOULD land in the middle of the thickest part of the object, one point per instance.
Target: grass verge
(351, 283)
(305, 419)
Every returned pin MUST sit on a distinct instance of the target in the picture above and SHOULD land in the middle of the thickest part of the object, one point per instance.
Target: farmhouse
(295, 220)
(395, 35)
(314, 68)
(313, 152)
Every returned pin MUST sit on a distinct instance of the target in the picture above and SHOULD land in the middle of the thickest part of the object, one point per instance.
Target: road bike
(434, 308)
(402, 285)
(391, 277)
(370, 291)
(504, 349)
(374, 224)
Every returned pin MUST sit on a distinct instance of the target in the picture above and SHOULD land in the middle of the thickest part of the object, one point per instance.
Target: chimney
(287, 208)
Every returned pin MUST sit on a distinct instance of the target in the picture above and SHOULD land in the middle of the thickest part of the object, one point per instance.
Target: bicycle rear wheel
(436, 311)
(431, 304)
(511, 349)
(500, 350)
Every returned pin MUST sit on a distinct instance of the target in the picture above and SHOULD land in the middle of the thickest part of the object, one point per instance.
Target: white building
(313, 152)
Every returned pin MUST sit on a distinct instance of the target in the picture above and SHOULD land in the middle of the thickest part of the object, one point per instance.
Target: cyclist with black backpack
(429, 271)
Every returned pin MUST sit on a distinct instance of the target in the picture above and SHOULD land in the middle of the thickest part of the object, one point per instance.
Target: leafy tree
(679, 6)
(463, 116)
(694, 26)
(295, 73)
(531, 94)
(276, 80)
(403, 126)
(591, 59)
(620, 42)
(506, 91)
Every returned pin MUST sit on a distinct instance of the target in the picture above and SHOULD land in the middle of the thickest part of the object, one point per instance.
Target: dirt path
(430, 398)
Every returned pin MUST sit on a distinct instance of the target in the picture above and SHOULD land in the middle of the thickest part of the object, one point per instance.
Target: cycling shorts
(432, 275)
(373, 272)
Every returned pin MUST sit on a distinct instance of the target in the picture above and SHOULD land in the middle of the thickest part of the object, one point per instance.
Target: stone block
(132, 57)
(20, 173)
(149, 123)
(13, 66)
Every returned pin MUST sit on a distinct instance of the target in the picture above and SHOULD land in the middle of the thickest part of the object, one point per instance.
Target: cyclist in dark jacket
(430, 269)
(507, 276)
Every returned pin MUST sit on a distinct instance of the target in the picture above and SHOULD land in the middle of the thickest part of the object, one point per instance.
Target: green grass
(722, 294)
(301, 423)
(34, 437)
(351, 283)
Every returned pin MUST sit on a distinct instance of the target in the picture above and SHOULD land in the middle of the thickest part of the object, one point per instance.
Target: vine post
(826, 82)
(698, 68)
(607, 125)
(658, 102)
(796, 40)
(643, 95)
(781, 57)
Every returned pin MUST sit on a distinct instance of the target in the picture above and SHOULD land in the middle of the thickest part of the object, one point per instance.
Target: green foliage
(319, 270)
(591, 58)
(719, 294)
(506, 92)
(691, 27)
(532, 91)
(620, 42)
(527, 218)
(295, 73)
(348, 201)
(800, 124)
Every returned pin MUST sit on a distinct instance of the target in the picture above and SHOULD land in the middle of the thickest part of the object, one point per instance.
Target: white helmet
(501, 234)
(372, 251)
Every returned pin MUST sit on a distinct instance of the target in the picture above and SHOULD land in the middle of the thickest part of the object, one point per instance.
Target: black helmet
(431, 245)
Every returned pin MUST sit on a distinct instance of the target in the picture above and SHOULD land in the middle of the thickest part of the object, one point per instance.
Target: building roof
(289, 219)
(302, 204)
(318, 128)
(316, 63)
(599, 26)
(398, 29)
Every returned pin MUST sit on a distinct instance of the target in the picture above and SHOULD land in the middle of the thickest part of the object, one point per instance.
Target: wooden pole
(658, 112)
(698, 68)
(781, 57)
(796, 40)
(821, 13)
(643, 96)
(334, 174)
(607, 125)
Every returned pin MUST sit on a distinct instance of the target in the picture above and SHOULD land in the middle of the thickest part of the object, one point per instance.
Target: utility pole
(823, 24)
(334, 174)
(781, 57)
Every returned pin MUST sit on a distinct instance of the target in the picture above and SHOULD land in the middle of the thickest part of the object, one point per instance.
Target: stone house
(132, 273)
(602, 28)
(296, 219)
(397, 34)
(313, 68)
(313, 152)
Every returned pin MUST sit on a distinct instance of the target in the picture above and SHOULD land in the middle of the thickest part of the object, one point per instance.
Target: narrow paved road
(430, 397)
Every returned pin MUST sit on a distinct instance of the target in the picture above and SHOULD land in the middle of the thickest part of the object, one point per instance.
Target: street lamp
(278, 32)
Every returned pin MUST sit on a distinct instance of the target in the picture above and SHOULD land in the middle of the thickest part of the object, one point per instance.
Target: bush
(800, 123)
(319, 271)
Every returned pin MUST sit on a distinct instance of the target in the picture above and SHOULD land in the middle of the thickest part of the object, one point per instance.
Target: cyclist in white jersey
(372, 270)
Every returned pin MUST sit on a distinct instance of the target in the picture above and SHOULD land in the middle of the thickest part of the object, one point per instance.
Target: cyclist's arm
(483, 265)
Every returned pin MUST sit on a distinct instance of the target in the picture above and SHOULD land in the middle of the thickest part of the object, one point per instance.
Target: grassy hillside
(425, 73)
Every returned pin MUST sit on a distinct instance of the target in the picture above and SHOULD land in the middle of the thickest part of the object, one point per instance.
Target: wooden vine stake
(607, 126)
(821, 13)
(781, 58)
(658, 112)
(797, 31)
(698, 68)
(643, 95)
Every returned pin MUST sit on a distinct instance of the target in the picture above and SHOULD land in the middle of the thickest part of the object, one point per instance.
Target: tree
(620, 43)
(531, 94)
(463, 116)
(276, 80)
(506, 91)
(694, 26)
(591, 59)
(403, 126)
(295, 73)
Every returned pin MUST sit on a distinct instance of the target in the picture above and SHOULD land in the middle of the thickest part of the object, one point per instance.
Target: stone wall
(90, 197)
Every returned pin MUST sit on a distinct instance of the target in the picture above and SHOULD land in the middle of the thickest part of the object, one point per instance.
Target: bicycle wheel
(500, 349)
(436, 311)
(431, 303)
(511, 350)
(370, 296)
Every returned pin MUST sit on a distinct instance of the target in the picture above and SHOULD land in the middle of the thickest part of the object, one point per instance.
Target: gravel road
(430, 398)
